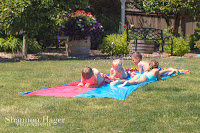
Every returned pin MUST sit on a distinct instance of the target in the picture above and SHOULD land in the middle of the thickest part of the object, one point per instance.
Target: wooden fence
(141, 20)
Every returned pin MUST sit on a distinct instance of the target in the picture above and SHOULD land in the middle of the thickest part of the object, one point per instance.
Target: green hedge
(180, 46)
(121, 45)
(195, 39)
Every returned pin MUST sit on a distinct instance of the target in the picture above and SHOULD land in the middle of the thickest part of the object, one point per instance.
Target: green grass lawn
(171, 105)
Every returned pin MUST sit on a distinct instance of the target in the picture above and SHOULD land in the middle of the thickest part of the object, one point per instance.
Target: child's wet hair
(137, 55)
(153, 64)
(87, 73)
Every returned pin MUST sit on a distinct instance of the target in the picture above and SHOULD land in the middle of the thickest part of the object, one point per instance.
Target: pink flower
(82, 11)
(124, 25)
(77, 12)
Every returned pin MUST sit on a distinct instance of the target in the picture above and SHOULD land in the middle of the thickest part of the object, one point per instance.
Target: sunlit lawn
(171, 105)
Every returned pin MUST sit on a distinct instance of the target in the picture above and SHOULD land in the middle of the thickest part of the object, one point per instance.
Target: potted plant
(79, 27)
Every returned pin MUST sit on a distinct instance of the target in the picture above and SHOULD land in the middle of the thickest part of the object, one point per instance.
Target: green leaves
(168, 8)
(36, 18)
(195, 39)
(121, 45)
(180, 46)
(12, 44)
(10, 13)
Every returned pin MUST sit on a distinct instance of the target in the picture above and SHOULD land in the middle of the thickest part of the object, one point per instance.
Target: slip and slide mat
(106, 90)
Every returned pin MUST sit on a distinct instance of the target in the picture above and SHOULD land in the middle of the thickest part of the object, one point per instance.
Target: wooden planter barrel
(143, 46)
(78, 48)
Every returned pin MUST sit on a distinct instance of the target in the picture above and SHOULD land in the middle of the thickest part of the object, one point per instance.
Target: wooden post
(25, 47)
(122, 14)
(64, 38)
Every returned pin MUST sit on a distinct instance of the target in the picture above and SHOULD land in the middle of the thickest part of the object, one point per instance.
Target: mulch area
(59, 54)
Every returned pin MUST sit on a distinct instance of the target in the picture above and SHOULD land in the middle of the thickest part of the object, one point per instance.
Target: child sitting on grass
(92, 78)
(117, 71)
(150, 75)
(143, 66)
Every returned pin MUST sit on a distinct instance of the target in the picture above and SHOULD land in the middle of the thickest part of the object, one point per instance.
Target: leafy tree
(35, 18)
(32, 18)
(26, 17)
(169, 8)
(108, 13)
(40, 19)
(9, 12)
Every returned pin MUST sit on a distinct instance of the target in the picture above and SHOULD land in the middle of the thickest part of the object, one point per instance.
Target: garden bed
(59, 54)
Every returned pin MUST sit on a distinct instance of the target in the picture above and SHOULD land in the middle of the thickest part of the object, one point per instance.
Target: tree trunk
(177, 19)
(25, 47)
(167, 20)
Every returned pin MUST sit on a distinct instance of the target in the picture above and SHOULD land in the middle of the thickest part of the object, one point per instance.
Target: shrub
(194, 39)
(197, 44)
(180, 46)
(2, 41)
(33, 46)
(45, 37)
(12, 44)
(121, 44)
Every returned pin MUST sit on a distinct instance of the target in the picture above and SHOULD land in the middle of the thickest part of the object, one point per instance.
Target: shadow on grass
(55, 57)
(4, 60)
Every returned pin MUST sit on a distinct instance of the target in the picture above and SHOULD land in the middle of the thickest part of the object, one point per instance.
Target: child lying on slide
(151, 74)
(92, 78)
(144, 65)
(117, 71)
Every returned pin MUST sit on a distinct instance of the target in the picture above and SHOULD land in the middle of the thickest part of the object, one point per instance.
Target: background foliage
(180, 46)
(168, 9)
(10, 44)
(41, 19)
(14, 45)
(195, 40)
(121, 46)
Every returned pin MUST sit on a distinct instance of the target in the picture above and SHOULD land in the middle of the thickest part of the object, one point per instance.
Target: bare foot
(122, 85)
(174, 71)
(114, 83)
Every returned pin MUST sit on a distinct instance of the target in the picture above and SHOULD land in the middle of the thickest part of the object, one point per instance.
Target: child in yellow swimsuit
(150, 75)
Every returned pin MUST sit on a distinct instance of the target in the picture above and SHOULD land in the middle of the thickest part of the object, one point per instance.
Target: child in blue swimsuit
(151, 75)
(143, 66)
